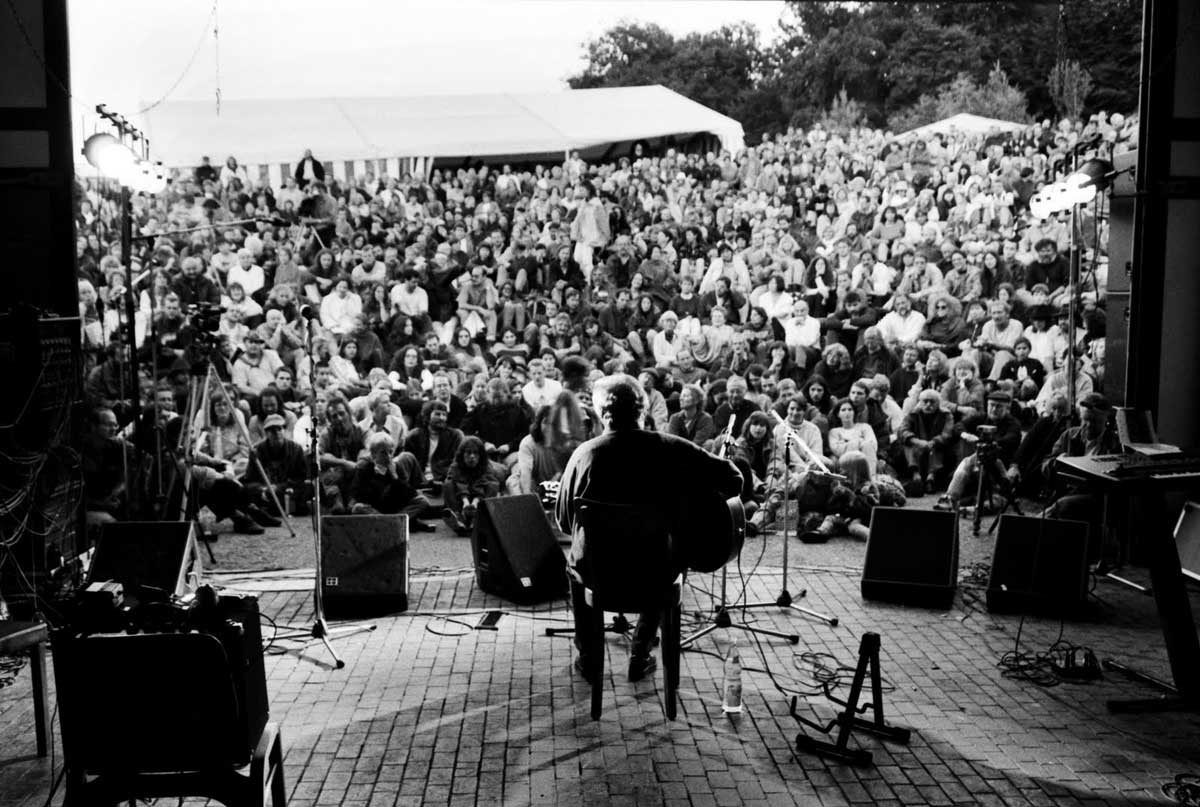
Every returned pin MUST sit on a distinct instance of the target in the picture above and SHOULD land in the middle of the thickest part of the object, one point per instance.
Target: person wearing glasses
(945, 329)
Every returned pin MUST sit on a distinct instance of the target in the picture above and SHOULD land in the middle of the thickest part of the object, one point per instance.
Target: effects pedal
(1075, 669)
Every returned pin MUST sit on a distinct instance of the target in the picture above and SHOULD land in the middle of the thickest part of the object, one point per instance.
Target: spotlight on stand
(114, 159)
(110, 157)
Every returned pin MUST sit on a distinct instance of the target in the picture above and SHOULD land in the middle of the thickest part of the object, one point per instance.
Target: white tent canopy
(966, 123)
(353, 129)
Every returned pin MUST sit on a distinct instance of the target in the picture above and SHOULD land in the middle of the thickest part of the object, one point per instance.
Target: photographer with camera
(992, 438)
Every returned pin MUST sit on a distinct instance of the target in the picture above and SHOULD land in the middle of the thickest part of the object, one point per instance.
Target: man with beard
(1092, 436)
(736, 407)
(283, 461)
(926, 437)
(192, 286)
(434, 444)
(340, 446)
(500, 423)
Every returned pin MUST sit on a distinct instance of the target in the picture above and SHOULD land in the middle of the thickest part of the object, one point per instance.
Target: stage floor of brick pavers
(430, 711)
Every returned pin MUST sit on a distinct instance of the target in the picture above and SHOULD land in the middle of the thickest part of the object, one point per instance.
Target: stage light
(110, 156)
(1093, 176)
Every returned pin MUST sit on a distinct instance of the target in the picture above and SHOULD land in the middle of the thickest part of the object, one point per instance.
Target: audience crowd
(871, 302)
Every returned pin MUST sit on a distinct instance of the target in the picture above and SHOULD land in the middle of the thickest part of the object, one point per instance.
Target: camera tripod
(990, 480)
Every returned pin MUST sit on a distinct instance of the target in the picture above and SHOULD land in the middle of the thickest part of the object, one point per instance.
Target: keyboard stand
(1175, 616)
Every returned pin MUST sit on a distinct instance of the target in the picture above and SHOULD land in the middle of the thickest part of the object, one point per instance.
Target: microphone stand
(720, 617)
(811, 463)
(319, 629)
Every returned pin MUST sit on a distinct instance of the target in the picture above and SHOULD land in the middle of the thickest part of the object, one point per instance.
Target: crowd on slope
(877, 298)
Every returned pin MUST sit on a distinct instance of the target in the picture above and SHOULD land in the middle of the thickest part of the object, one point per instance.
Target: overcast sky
(127, 53)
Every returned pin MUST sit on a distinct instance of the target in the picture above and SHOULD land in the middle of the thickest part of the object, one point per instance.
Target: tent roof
(277, 130)
(967, 123)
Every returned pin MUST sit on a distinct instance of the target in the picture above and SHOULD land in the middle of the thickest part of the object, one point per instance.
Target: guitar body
(711, 533)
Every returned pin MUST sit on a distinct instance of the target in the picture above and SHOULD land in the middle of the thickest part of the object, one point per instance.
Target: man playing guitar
(628, 465)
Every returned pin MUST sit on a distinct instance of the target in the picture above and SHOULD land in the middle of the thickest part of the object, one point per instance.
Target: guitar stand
(848, 720)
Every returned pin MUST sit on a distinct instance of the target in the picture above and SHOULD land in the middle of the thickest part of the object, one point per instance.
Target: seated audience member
(500, 423)
(791, 473)
(472, 477)
(873, 357)
(846, 324)
(434, 444)
(385, 483)
(656, 405)
(540, 390)
(103, 455)
(902, 325)
(737, 408)
(945, 329)
(269, 403)
(963, 393)
(848, 505)
(927, 439)
(849, 434)
(691, 422)
(284, 464)
(255, 369)
(542, 454)
(1025, 472)
(1002, 443)
(1026, 372)
(383, 416)
(341, 444)
(836, 369)
(1093, 435)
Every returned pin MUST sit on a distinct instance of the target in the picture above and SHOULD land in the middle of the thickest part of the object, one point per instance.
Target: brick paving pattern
(429, 711)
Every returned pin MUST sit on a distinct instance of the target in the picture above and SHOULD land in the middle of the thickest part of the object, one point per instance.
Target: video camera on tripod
(204, 321)
(986, 440)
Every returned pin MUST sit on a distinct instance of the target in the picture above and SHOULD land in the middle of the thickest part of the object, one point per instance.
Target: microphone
(815, 462)
(274, 221)
(308, 312)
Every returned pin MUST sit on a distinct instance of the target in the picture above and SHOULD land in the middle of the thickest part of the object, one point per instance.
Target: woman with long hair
(850, 435)
(963, 393)
(471, 479)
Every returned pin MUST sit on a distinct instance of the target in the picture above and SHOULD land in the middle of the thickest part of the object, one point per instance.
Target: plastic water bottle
(732, 702)
(4, 613)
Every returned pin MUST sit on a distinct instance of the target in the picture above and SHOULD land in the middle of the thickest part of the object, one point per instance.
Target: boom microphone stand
(721, 617)
(319, 629)
(811, 463)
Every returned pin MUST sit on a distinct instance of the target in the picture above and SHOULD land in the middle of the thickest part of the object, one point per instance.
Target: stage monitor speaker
(364, 564)
(912, 557)
(157, 555)
(516, 554)
(1039, 566)
(1187, 540)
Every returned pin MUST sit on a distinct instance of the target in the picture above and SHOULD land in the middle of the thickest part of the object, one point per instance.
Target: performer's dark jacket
(671, 478)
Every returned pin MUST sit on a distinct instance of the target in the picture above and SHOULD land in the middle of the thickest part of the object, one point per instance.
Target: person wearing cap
(1007, 438)
(652, 471)
(255, 369)
(283, 461)
(1094, 435)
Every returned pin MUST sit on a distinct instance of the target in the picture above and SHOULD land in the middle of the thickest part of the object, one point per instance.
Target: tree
(996, 98)
(843, 114)
(1069, 84)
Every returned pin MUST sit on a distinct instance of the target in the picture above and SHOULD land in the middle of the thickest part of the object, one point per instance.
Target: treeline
(896, 65)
